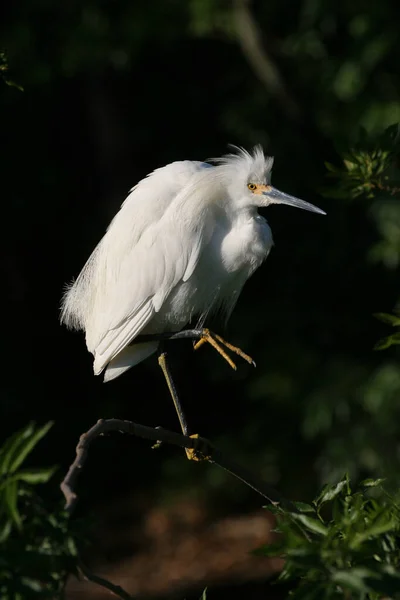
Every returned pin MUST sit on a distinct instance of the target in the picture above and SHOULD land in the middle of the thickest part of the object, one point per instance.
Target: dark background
(115, 89)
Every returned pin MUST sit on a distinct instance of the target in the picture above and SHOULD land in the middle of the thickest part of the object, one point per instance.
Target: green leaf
(350, 166)
(6, 481)
(11, 445)
(304, 508)
(274, 509)
(311, 524)
(13, 84)
(204, 595)
(5, 530)
(372, 482)
(11, 502)
(378, 528)
(34, 476)
(353, 579)
(33, 585)
(395, 338)
(386, 342)
(330, 167)
(330, 492)
(30, 476)
(392, 320)
(29, 444)
(73, 550)
(383, 344)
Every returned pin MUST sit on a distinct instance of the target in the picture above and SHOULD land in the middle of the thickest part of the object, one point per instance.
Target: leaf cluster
(343, 545)
(369, 167)
(390, 340)
(37, 548)
(4, 72)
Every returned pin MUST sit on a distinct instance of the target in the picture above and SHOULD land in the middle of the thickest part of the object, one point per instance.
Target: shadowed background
(116, 89)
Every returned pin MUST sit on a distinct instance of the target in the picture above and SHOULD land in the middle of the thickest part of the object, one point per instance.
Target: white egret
(182, 245)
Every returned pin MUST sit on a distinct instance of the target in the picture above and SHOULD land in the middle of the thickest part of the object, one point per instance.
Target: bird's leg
(162, 361)
(202, 336)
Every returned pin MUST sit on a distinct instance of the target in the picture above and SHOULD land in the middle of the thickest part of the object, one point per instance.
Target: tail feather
(127, 358)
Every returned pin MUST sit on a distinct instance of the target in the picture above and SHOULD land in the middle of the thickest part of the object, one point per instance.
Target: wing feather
(146, 251)
(117, 339)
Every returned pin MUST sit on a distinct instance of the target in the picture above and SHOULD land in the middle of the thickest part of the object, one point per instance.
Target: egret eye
(251, 186)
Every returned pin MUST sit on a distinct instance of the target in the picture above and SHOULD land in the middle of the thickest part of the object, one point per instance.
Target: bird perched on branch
(182, 245)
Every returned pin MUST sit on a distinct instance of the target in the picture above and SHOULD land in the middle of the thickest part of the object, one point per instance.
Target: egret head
(249, 181)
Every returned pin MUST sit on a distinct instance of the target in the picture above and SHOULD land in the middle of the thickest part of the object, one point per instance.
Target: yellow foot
(201, 451)
(216, 341)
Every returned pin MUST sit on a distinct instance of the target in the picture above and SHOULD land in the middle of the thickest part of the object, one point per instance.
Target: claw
(235, 349)
(196, 453)
(216, 341)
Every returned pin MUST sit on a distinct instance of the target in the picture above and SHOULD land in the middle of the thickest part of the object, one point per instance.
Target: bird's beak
(277, 197)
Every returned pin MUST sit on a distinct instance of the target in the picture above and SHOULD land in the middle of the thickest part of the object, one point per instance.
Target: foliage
(371, 170)
(389, 340)
(344, 545)
(369, 167)
(37, 547)
(12, 455)
(4, 69)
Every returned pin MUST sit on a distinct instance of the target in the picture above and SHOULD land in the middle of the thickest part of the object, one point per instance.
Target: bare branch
(203, 450)
(249, 37)
(202, 447)
(105, 426)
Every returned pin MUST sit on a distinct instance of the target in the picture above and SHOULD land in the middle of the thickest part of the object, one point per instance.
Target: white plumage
(183, 244)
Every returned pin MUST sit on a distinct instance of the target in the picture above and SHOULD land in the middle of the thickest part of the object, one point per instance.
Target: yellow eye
(251, 186)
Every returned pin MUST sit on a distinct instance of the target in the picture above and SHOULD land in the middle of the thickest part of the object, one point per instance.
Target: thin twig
(250, 40)
(117, 590)
(201, 446)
